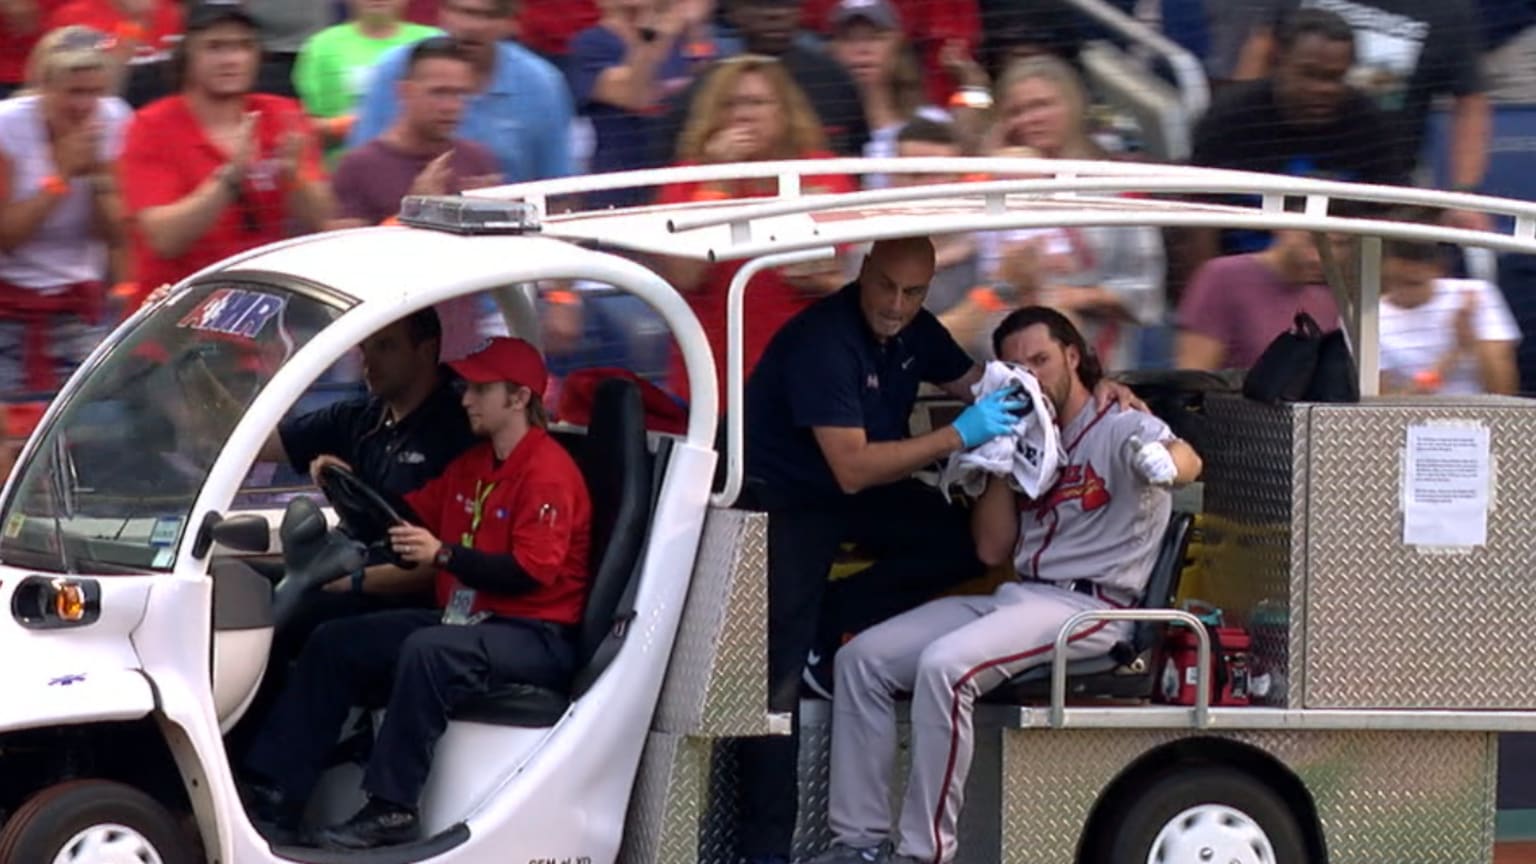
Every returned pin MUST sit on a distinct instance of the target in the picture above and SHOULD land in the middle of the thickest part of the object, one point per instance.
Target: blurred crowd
(142, 140)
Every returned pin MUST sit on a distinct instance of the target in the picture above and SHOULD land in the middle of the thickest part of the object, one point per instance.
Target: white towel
(1030, 457)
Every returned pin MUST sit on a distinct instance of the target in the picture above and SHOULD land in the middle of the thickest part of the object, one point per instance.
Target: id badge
(459, 604)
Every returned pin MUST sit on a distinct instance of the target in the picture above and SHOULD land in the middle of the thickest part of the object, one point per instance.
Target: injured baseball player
(1089, 542)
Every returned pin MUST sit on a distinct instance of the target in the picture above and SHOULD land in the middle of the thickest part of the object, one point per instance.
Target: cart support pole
(1367, 335)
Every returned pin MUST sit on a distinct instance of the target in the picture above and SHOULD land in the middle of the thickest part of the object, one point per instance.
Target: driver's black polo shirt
(826, 368)
(393, 458)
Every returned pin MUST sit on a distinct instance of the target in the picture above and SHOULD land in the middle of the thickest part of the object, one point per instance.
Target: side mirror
(244, 533)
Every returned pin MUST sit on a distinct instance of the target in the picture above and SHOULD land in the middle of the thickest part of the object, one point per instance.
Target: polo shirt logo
(872, 381)
(412, 457)
(907, 363)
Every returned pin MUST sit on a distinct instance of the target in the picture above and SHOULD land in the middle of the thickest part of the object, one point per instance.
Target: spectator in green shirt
(335, 66)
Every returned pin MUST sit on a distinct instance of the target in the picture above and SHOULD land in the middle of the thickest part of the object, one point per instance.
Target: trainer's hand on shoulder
(990, 416)
(1113, 391)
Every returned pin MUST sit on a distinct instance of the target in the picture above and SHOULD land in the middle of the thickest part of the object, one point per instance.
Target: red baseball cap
(505, 359)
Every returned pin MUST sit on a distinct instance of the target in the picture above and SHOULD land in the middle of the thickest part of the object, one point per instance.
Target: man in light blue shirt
(522, 110)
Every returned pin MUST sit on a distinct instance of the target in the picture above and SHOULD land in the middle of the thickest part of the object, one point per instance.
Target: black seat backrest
(616, 465)
(1163, 584)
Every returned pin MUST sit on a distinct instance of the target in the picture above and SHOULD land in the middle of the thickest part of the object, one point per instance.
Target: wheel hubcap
(1212, 834)
(108, 844)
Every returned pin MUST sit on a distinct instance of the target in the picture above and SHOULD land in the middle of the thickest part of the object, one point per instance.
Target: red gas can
(1230, 651)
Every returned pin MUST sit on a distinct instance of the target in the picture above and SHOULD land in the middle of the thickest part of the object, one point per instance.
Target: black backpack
(1304, 365)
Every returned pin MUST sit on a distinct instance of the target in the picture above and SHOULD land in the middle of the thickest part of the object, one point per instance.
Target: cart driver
(503, 539)
(1090, 543)
(403, 433)
(830, 458)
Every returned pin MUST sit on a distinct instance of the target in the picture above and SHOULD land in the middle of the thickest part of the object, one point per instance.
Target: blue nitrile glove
(992, 415)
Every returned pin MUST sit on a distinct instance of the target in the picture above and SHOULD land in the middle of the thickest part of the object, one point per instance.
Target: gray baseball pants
(946, 653)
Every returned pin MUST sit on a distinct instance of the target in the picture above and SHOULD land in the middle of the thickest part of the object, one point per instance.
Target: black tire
(1132, 828)
(40, 830)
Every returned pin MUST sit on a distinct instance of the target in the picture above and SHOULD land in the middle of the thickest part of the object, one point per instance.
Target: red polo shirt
(166, 156)
(546, 26)
(533, 507)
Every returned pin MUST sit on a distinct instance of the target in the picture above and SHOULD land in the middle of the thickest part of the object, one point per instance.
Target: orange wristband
(705, 193)
(561, 297)
(1429, 379)
(391, 220)
(54, 185)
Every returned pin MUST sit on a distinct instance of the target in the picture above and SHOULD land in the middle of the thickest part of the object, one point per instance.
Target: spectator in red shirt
(217, 169)
(146, 32)
(747, 110)
(420, 154)
(546, 26)
(21, 25)
(503, 537)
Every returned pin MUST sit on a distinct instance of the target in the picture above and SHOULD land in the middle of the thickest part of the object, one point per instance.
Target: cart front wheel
(92, 822)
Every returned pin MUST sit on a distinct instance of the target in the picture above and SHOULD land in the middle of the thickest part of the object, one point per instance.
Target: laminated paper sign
(1446, 488)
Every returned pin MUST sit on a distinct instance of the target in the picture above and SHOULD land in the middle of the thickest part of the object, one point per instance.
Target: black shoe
(379, 823)
(266, 804)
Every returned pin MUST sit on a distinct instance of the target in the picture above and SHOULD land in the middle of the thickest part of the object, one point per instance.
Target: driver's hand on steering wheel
(414, 544)
(319, 463)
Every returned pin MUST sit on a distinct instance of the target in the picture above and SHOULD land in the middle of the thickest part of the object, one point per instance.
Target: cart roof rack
(1020, 193)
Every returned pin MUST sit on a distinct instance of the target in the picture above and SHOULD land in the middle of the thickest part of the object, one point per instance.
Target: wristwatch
(357, 580)
(443, 557)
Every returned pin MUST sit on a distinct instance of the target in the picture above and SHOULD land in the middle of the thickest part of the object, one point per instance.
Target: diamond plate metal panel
(662, 824)
(1252, 559)
(1381, 797)
(1392, 626)
(716, 681)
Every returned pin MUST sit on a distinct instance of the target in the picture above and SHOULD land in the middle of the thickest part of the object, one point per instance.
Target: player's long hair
(710, 112)
(1062, 330)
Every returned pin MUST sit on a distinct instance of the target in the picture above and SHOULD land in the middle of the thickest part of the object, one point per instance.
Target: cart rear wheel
(1203, 815)
(92, 822)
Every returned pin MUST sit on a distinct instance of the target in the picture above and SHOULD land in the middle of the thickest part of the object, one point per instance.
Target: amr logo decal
(235, 312)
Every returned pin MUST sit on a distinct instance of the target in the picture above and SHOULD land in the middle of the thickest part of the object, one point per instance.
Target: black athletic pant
(907, 521)
(416, 667)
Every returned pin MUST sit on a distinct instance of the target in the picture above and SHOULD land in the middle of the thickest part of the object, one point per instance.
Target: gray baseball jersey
(1101, 521)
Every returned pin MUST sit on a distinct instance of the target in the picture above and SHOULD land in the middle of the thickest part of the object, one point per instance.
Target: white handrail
(735, 332)
(1194, 89)
(1169, 616)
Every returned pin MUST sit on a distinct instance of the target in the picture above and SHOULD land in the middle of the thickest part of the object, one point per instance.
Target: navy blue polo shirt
(393, 458)
(825, 368)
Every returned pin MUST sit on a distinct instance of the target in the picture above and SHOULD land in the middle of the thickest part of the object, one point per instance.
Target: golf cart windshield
(112, 480)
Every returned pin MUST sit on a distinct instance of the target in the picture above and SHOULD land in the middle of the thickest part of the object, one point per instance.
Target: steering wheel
(365, 514)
